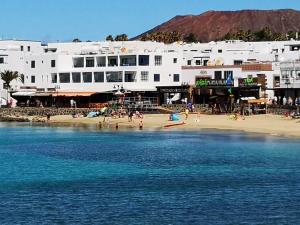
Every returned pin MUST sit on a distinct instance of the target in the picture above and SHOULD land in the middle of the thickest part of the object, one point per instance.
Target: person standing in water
(186, 113)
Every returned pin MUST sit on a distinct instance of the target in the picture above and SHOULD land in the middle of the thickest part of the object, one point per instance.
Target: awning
(73, 94)
(42, 94)
(257, 101)
(23, 93)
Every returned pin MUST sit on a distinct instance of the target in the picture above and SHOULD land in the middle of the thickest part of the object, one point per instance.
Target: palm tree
(22, 78)
(110, 38)
(121, 37)
(191, 38)
(8, 76)
(76, 40)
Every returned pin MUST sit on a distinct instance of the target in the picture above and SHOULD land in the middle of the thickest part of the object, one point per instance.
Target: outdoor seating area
(142, 104)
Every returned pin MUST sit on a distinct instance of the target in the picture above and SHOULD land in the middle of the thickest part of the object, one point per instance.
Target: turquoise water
(70, 176)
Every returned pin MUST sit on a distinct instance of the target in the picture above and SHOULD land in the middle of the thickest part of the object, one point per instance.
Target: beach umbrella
(119, 93)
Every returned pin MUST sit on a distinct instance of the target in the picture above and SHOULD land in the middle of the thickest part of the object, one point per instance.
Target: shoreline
(268, 124)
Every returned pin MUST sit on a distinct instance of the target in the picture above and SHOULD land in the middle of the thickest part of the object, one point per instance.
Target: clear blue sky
(51, 20)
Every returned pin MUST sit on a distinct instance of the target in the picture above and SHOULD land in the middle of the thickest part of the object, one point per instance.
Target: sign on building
(210, 83)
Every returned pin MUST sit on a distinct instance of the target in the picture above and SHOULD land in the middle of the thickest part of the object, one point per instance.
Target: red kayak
(173, 125)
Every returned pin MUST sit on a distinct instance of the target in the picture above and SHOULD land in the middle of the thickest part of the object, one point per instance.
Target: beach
(267, 123)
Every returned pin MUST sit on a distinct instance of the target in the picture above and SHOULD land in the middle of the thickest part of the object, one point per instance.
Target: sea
(70, 175)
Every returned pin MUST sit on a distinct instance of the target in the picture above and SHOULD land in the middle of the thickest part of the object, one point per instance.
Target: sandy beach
(267, 124)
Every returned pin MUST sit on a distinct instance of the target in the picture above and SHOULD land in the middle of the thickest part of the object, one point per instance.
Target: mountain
(214, 25)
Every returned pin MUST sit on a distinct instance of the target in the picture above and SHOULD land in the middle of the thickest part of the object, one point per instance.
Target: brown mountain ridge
(214, 25)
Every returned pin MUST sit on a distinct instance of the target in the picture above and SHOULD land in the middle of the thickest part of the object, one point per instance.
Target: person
(198, 117)
(290, 101)
(284, 100)
(190, 106)
(186, 113)
(48, 116)
(298, 101)
(130, 115)
(275, 100)
(141, 125)
(279, 100)
(72, 103)
(171, 117)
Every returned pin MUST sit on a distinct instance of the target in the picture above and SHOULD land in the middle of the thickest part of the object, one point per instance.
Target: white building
(101, 67)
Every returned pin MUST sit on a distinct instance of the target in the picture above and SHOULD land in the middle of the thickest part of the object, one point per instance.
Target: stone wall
(31, 111)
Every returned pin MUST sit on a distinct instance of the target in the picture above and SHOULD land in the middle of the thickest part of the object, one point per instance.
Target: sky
(64, 20)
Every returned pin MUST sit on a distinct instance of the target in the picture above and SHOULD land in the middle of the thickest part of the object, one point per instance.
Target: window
(22, 48)
(176, 77)
(218, 75)
(228, 74)
(144, 76)
(198, 62)
(114, 77)
(101, 61)
(87, 77)
(53, 78)
(205, 62)
(158, 60)
(156, 77)
(1, 60)
(32, 64)
(285, 74)
(220, 51)
(78, 62)
(112, 61)
(175, 60)
(99, 77)
(52, 63)
(144, 60)
(76, 77)
(90, 62)
(189, 62)
(249, 76)
(238, 62)
(130, 76)
(64, 77)
(298, 74)
(32, 79)
(128, 60)
(28, 48)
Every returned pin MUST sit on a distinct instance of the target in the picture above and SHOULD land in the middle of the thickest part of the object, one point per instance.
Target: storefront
(216, 92)
(175, 94)
(249, 87)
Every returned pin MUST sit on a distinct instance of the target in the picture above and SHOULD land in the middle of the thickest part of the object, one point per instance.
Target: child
(186, 113)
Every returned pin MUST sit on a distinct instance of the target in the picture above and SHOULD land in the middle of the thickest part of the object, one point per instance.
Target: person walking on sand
(130, 115)
(186, 113)
(198, 117)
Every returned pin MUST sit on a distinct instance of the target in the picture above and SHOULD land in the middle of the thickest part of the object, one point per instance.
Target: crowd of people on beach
(278, 100)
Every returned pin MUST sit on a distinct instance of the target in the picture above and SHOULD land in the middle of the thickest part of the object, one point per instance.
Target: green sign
(204, 83)
(246, 82)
